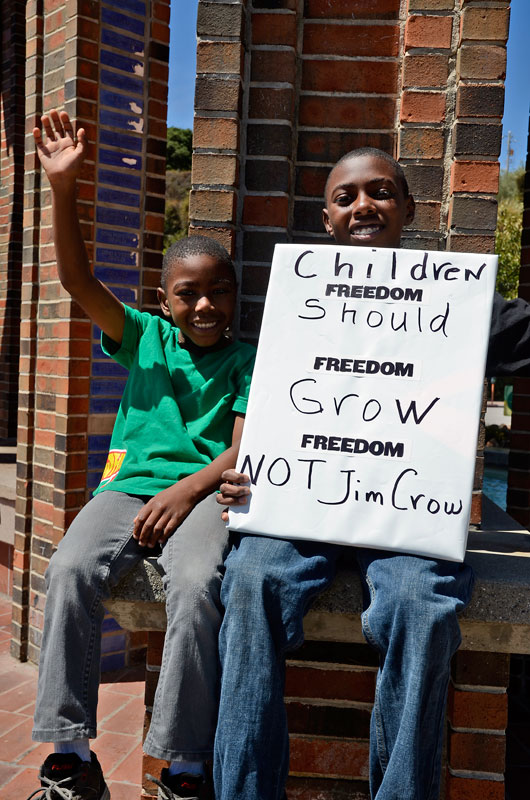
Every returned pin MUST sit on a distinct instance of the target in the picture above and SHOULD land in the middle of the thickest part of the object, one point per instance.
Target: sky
(183, 57)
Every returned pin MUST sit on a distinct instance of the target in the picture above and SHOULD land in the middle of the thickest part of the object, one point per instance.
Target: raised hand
(62, 152)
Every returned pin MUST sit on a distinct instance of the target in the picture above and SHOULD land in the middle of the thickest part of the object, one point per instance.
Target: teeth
(205, 325)
(365, 231)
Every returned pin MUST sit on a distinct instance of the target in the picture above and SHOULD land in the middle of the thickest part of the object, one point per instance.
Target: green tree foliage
(178, 155)
(509, 229)
(178, 184)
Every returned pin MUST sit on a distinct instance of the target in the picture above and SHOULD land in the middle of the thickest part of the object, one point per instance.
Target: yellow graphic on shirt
(112, 467)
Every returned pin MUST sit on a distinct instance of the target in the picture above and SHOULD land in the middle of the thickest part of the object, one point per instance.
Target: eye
(383, 193)
(185, 293)
(343, 200)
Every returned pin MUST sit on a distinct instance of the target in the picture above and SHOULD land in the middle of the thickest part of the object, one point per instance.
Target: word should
(406, 321)
(363, 366)
(344, 444)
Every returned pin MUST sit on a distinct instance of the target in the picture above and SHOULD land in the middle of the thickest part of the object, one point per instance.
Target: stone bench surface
(497, 619)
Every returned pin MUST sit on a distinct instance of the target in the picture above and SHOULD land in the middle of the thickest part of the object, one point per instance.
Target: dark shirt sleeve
(509, 344)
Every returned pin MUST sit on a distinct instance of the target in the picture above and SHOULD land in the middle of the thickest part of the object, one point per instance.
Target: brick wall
(518, 498)
(11, 207)
(107, 64)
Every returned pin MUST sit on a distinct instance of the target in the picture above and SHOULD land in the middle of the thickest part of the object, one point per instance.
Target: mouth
(366, 232)
(202, 325)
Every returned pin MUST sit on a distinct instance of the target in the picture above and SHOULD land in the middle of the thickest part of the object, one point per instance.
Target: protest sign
(364, 409)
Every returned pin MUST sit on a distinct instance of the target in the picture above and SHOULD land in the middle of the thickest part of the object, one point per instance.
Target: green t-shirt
(178, 408)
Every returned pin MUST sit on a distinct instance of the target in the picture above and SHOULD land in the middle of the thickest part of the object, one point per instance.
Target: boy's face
(365, 203)
(200, 298)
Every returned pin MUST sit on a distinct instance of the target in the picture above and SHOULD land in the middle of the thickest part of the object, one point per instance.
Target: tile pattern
(120, 720)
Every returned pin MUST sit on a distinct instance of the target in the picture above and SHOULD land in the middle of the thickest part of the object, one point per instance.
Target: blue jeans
(410, 619)
(96, 552)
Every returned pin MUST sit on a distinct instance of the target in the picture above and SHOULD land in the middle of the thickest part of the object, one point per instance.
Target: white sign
(365, 403)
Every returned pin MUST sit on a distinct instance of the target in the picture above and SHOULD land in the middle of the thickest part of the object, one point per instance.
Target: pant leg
(412, 621)
(266, 591)
(95, 553)
(186, 701)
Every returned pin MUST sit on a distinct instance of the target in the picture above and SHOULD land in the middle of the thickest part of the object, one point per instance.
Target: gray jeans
(96, 552)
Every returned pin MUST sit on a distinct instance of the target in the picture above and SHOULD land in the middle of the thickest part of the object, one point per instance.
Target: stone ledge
(497, 619)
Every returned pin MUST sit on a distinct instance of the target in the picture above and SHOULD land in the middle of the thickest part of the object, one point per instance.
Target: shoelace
(167, 794)
(62, 791)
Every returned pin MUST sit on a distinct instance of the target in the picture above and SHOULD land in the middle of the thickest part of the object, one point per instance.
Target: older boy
(177, 429)
(412, 602)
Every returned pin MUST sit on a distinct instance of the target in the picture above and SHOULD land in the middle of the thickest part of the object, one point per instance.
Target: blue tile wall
(113, 19)
(108, 369)
(112, 236)
(104, 405)
(121, 159)
(112, 662)
(121, 42)
(99, 442)
(118, 81)
(135, 6)
(111, 275)
(118, 198)
(128, 122)
(108, 387)
(115, 100)
(124, 179)
(114, 216)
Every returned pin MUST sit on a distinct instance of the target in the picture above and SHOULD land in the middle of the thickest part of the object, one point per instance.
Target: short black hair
(375, 153)
(194, 246)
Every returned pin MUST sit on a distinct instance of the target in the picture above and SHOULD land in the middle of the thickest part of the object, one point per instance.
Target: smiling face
(200, 298)
(366, 203)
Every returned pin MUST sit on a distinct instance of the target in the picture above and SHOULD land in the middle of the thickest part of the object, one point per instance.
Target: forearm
(72, 260)
(207, 479)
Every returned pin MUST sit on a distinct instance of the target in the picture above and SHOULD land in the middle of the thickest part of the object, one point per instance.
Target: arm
(509, 344)
(162, 515)
(62, 159)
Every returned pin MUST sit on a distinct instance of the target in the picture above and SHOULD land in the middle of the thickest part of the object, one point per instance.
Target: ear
(162, 299)
(327, 224)
(411, 210)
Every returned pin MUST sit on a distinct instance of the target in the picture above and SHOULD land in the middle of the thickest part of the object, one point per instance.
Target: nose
(203, 303)
(364, 203)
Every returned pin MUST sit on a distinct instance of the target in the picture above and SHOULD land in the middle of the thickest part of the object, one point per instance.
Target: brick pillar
(11, 207)
(518, 498)
(477, 715)
(108, 67)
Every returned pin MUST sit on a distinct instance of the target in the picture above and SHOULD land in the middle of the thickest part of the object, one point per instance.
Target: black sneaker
(63, 776)
(183, 784)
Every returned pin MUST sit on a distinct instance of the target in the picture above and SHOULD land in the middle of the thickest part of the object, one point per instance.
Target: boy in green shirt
(177, 429)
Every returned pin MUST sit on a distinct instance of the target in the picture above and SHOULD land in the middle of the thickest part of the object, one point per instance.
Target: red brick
(478, 710)
(337, 684)
(473, 789)
(351, 40)
(421, 143)
(267, 65)
(423, 106)
(214, 206)
(214, 169)
(428, 31)
(225, 236)
(348, 758)
(265, 103)
(219, 57)
(475, 176)
(352, 76)
(348, 113)
(485, 24)
(479, 100)
(426, 216)
(486, 62)
(480, 752)
(425, 70)
(431, 5)
(269, 211)
(274, 29)
(357, 9)
(471, 243)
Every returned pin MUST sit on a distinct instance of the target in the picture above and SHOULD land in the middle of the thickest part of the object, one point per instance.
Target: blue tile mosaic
(110, 624)
(127, 122)
(121, 140)
(93, 480)
(118, 198)
(110, 644)
(117, 61)
(104, 405)
(111, 275)
(97, 352)
(108, 368)
(115, 100)
(124, 294)
(111, 236)
(99, 442)
(112, 663)
(122, 42)
(123, 179)
(119, 81)
(135, 6)
(107, 388)
(116, 216)
(120, 159)
(126, 23)
(96, 461)
(105, 255)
